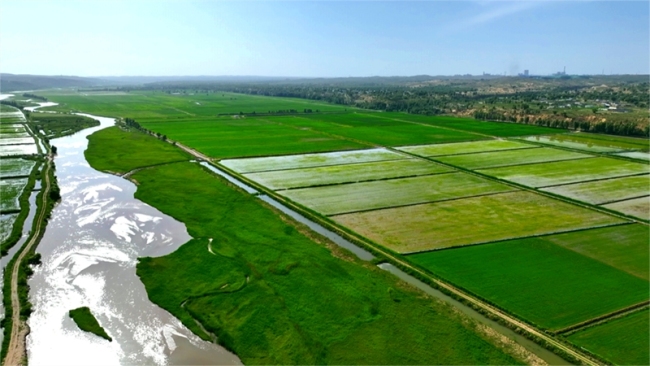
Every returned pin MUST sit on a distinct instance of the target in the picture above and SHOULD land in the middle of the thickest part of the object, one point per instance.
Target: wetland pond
(89, 253)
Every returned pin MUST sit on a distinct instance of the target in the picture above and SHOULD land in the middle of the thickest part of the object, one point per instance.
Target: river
(89, 253)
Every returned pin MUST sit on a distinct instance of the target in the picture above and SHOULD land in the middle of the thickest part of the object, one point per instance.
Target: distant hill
(13, 82)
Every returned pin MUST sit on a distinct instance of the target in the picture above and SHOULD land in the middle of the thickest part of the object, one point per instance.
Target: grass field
(637, 207)
(87, 322)
(500, 129)
(15, 167)
(470, 220)
(128, 150)
(349, 173)
(622, 341)
(395, 192)
(149, 104)
(374, 129)
(578, 142)
(564, 172)
(6, 225)
(226, 137)
(11, 190)
(542, 282)
(624, 247)
(250, 165)
(17, 150)
(605, 190)
(287, 299)
(509, 157)
(464, 147)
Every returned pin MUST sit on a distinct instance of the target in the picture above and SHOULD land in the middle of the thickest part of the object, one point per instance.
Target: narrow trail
(17, 351)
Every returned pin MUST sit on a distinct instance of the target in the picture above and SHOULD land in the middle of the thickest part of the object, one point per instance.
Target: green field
(464, 147)
(57, 125)
(250, 165)
(226, 137)
(564, 172)
(622, 341)
(12, 129)
(129, 151)
(634, 143)
(15, 167)
(6, 225)
(639, 155)
(87, 322)
(470, 220)
(608, 190)
(624, 247)
(11, 190)
(509, 157)
(346, 198)
(580, 142)
(539, 281)
(349, 173)
(500, 129)
(149, 104)
(637, 207)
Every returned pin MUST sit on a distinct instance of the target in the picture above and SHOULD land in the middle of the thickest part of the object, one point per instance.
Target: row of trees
(34, 96)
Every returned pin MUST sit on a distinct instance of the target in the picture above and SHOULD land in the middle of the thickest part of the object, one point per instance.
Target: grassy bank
(58, 125)
(87, 322)
(274, 295)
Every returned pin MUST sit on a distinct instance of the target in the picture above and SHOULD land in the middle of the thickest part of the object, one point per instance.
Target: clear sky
(322, 38)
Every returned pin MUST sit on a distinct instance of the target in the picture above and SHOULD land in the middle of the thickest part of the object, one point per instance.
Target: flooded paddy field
(637, 207)
(15, 167)
(11, 190)
(495, 159)
(464, 147)
(16, 150)
(607, 190)
(579, 142)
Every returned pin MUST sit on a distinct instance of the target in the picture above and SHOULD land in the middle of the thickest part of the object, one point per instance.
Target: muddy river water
(89, 253)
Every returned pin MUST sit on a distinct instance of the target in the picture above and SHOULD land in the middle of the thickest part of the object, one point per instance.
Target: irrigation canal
(89, 252)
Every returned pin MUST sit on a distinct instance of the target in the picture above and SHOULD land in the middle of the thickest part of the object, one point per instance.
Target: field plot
(564, 172)
(624, 247)
(226, 137)
(500, 129)
(464, 147)
(11, 190)
(15, 150)
(544, 283)
(250, 165)
(635, 155)
(637, 207)
(16, 140)
(12, 135)
(608, 190)
(15, 167)
(578, 142)
(510, 157)
(6, 225)
(349, 173)
(622, 341)
(8, 130)
(470, 220)
(346, 198)
(624, 142)
(372, 128)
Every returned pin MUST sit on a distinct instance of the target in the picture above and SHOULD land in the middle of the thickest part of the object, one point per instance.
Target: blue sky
(322, 38)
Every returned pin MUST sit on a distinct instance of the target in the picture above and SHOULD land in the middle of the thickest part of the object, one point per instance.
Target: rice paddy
(6, 225)
(17, 150)
(11, 190)
(547, 284)
(250, 165)
(347, 198)
(349, 173)
(579, 142)
(471, 220)
(15, 167)
(637, 207)
(622, 341)
(635, 155)
(464, 147)
(510, 157)
(607, 190)
(17, 141)
(564, 172)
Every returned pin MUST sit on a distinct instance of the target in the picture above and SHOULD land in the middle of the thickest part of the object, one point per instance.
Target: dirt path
(16, 351)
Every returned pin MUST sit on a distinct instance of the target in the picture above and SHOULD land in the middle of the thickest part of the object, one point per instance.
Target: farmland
(509, 157)
(551, 286)
(586, 143)
(11, 190)
(274, 293)
(6, 225)
(348, 173)
(607, 190)
(494, 217)
(347, 198)
(637, 207)
(17, 150)
(250, 165)
(464, 147)
(15, 167)
(622, 341)
(564, 172)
